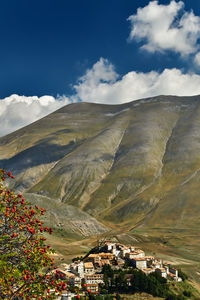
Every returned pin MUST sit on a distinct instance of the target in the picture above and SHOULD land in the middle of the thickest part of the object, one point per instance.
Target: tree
(187, 293)
(25, 262)
(182, 275)
(121, 282)
(152, 284)
(106, 281)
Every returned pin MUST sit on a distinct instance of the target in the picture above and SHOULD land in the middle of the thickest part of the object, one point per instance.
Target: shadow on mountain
(41, 153)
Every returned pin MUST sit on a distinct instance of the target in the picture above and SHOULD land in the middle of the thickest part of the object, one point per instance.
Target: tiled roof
(88, 265)
(92, 284)
(93, 255)
(171, 274)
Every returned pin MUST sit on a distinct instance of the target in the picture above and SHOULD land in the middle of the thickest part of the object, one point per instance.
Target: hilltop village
(88, 273)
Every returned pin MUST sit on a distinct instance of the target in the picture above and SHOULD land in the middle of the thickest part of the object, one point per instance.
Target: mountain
(133, 167)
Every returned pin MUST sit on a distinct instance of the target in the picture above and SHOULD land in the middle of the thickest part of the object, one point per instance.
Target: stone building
(135, 254)
(95, 278)
(162, 272)
(89, 268)
(140, 263)
(94, 288)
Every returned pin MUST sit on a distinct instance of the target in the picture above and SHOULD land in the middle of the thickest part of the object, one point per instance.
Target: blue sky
(46, 45)
(90, 51)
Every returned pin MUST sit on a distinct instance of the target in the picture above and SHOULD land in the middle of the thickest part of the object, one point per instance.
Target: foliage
(187, 293)
(128, 264)
(107, 270)
(176, 297)
(182, 275)
(153, 284)
(92, 297)
(171, 297)
(25, 261)
(77, 258)
(116, 281)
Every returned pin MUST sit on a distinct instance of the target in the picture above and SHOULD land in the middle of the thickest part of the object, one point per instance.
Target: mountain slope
(133, 165)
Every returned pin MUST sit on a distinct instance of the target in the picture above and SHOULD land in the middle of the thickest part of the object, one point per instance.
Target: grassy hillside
(132, 168)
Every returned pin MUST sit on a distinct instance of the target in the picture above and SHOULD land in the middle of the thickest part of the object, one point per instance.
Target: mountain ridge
(130, 165)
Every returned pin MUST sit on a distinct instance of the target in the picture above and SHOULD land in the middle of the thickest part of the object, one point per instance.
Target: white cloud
(18, 111)
(197, 59)
(95, 81)
(166, 27)
(100, 84)
(93, 86)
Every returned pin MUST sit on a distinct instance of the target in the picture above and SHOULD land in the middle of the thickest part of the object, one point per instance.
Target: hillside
(132, 167)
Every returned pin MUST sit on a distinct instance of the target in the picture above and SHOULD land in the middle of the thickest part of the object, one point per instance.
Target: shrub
(25, 261)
